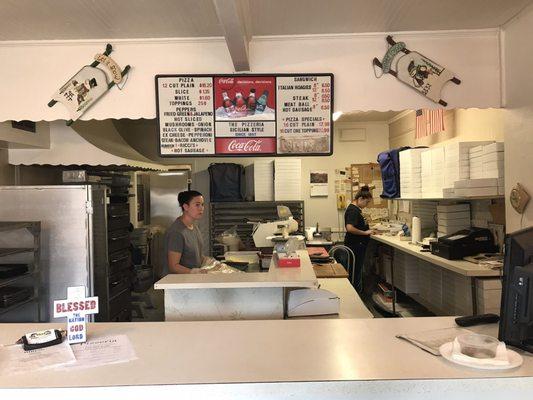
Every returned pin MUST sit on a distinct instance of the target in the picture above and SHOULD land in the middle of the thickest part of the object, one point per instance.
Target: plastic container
(478, 346)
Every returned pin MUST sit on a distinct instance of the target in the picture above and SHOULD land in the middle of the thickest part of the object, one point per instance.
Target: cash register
(464, 243)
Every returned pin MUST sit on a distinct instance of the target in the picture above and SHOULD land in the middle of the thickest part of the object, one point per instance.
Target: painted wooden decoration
(89, 84)
(416, 70)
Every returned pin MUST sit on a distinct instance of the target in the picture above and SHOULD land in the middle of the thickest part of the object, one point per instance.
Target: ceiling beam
(234, 17)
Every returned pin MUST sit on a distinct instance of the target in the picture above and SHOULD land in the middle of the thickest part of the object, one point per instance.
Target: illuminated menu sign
(244, 115)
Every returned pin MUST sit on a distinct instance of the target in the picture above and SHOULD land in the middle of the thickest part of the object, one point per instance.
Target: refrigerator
(76, 244)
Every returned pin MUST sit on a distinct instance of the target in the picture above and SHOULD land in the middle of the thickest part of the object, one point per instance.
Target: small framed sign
(245, 115)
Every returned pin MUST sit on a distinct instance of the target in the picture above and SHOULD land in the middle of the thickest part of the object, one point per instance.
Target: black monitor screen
(516, 314)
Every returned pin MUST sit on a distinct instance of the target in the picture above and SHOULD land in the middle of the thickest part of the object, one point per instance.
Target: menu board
(245, 115)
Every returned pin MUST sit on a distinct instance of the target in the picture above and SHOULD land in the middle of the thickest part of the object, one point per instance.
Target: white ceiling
(118, 19)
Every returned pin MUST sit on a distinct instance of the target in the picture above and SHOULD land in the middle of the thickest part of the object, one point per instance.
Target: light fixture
(172, 173)
(337, 115)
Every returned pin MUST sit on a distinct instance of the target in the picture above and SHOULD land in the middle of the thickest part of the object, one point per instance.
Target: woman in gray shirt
(183, 240)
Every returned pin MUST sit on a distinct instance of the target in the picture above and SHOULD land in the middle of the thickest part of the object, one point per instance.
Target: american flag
(429, 122)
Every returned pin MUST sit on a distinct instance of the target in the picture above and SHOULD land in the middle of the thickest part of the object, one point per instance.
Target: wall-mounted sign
(244, 115)
(415, 70)
(89, 84)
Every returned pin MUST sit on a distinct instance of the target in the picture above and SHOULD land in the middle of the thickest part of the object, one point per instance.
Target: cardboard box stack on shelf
(287, 179)
(411, 173)
(456, 294)
(452, 218)
(432, 172)
(492, 160)
(479, 187)
(457, 164)
(475, 156)
(426, 211)
(481, 215)
(406, 272)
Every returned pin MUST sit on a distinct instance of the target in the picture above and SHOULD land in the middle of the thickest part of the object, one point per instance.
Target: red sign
(245, 145)
(63, 308)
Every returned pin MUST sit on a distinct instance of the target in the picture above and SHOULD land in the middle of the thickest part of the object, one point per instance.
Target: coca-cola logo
(250, 146)
(226, 83)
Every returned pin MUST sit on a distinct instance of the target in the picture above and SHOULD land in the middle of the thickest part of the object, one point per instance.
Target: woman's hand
(370, 232)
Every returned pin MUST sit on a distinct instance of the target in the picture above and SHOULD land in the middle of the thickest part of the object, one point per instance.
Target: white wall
(18, 138)
(460, 125)
(31, 72)
(519, 114)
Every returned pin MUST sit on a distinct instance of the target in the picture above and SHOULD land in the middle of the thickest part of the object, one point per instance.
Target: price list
(304, 114)
(186, 116)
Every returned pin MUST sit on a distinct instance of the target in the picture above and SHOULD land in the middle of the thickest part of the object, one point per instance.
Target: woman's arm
(174, 266)
(353, 230)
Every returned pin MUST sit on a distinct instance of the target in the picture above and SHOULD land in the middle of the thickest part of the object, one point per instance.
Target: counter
(461, 267)
(446, 287)
(254, 295)
(307, 359)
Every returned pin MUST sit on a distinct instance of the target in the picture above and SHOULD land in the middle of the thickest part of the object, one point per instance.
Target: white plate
(515, 359)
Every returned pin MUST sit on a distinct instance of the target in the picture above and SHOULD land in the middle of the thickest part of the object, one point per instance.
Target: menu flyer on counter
(243, 115)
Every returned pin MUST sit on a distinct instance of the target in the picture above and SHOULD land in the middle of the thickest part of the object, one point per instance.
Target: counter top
(177, 353)
(461, 267)
(351, 304)
(330, 270)
(304, 276)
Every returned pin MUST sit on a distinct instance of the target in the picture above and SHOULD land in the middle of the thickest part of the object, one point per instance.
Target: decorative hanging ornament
(416, 70)
(82, 90)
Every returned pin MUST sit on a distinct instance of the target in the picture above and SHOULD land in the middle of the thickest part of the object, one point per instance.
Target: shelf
(15, 250)
(9, 281)
(7, 309)
(449, 198)
(387, 307)
(11, 226)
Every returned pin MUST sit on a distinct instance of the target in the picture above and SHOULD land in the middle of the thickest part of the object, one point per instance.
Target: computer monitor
(516, 314)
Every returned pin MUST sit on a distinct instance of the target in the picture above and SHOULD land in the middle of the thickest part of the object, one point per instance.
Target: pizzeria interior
(345, 184)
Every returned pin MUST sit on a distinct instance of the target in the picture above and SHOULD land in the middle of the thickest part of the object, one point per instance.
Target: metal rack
(226, 215)
(34, 227)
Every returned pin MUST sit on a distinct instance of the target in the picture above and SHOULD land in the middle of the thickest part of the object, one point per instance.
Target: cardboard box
(493, 157)
(493, 147)
(457, 215)
(472, 183)
(449, 208)
(474, 192)
(455, 222)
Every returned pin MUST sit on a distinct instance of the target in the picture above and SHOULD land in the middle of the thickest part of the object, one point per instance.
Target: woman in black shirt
(358, 233)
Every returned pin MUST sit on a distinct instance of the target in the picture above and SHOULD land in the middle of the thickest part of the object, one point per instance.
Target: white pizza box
(446, 208)
(475, 150)
(448, 193)
(493, 174)
(457, 163)
(472, 183)
(493, 157)
(453, 215)
(493, 147)
(473, 192)
(455, 222)
(493, 165)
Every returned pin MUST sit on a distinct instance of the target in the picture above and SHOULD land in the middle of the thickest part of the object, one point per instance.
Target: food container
(478, 346)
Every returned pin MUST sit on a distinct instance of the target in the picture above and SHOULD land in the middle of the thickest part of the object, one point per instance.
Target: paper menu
(14, 360)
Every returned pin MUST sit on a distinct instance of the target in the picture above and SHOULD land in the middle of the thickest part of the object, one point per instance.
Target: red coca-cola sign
(245, 145)
(226, 83)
